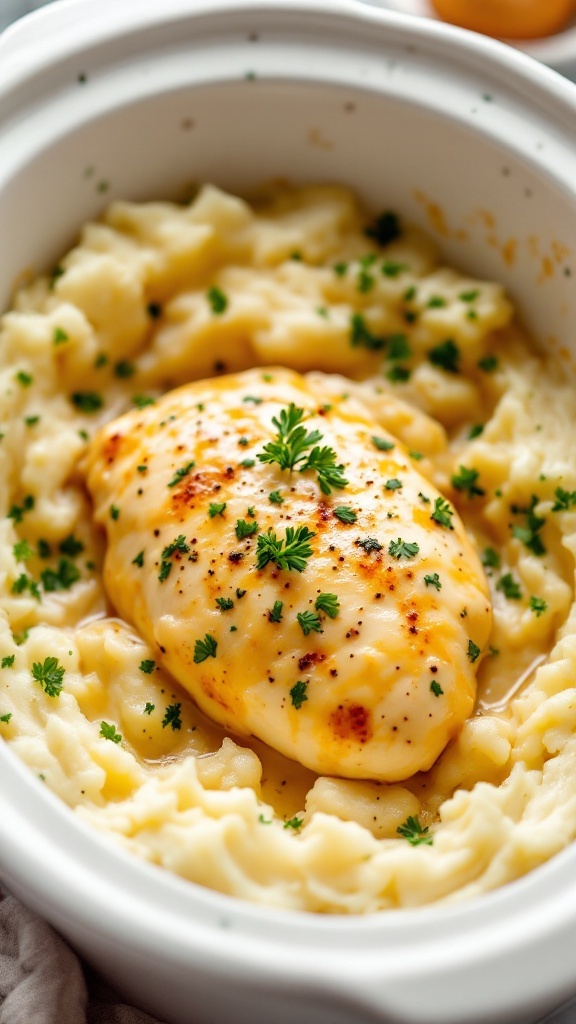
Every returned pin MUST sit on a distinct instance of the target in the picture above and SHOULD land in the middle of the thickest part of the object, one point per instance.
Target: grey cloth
(43, 982)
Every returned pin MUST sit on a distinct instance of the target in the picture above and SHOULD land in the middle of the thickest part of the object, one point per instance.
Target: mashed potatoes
(437, 414)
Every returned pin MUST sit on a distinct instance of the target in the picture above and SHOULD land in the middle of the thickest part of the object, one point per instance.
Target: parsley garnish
(275, 498)
(61, 578)
(114, 512)
(87, 401)
(391, 269)
(31, 421)
(172, 717)
(205, 648)
(398, 347)
(124, 369)
(149, 708)
(216, 508)
(108, 732)
(530, 533)
(442, 513)
(488, 364)
(446, 355)
(538, 605)
(141, 401)
(369, 544)
(393, 484)
(345, 514)
(224, 603)
(44, 549)
(401, 549)
(291, 553)
(398, 374)
(509, 587)
(327, 603)
(16, 512)
(147, 666)
(71, 546)
(465, 480)
(490, 559)
(245, 529)
(8, 661)
(436, 302)
(217, 299)
(59, 336)
(181, 473)
(22, 550)
(382, 444)
(179, 545)
(436, 688)
(433, 580)
(275, 613)
(469, 296)
(247, 463)
(309, 623)
(360, 334)
(139, 560)
(384, 229)
(298, 694)
(475, 430)
(412, 831)
(289, 450)
(23, 583)
(294, 823)
(253, 399)
(473, 651)
(50, 675)
(565, 500)
(6, 718)
(24, 379)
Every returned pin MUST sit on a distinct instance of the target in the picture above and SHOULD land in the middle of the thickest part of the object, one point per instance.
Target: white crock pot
(101, 99)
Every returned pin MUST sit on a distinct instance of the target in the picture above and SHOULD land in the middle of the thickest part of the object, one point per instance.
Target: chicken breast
(294, 571)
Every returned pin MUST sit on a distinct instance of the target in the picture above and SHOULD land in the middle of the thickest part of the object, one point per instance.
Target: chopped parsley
(291, 553)
(24, 379)
(23, 583)
(345, 514)
(8, 661)
(565, 500)
(384, 229)
(398, 347)
(529, 534)
(59, 336)
(488, 364)
(139, 560)
(217, 299)
(295, 823)
(473, 651)
(442, 513)
(327, 603)
(205, 648)
(382, 444)
(22, 551)
(87, 401)
(465, 480)
(436, 302)
(114, 512)
(402, 549)
(436, 688)
(247, 463)
(275, 498)
(172, 717)
(108, 732)
(393, 484)
(124, 369)
(224, 603)
(177, 546)
(149, 708)
(289, 450)
(390, 268)
(412, 831)
(71, 546)
(141, 401)
(44, 549)
(361, 335)
(398, 374)
(147, 666)
(6, 718)
(253, 399)
(17, 512)
(369, 544)
(309, 623)
(50, 675)
(475, 430)
(433, 580)
(181, 473)
(275, 613)
(509, 587)
(490, 559)
(446, 356)
(31, 421)
(469, 296)
(61, 578)
(245, 529)
(538, 605)
(298, 695)
(216, 508)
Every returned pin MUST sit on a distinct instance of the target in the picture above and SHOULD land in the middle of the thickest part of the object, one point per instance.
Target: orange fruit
(512, 19)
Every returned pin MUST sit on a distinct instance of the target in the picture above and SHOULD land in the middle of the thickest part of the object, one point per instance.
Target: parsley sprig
(413, 831)
(291, 447)
(50, 675)
(292, 552)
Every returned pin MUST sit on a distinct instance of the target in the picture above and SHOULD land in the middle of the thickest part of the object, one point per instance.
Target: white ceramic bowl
(464, 136)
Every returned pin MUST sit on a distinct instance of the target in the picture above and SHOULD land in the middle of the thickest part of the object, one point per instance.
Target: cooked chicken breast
(294, 571)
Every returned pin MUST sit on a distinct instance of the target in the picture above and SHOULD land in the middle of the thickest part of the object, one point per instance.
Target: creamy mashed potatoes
(301, 630)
